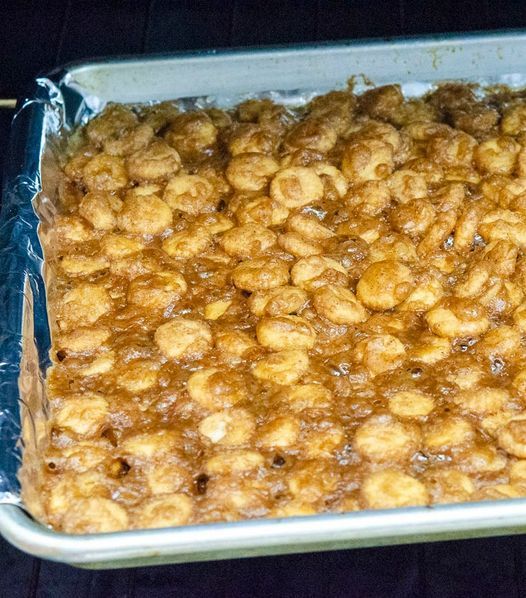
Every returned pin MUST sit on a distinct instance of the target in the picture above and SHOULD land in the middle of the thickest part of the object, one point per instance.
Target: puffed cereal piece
(449, 485)
(411, 403)
(84, 339)
(518, 472)
(102, 364)
(312, 133)
(252, 138)
(183, 338)
(466, 227)
(323, 441)
(170, 510)
(369, 198)
(380, 353)
(483, 400)
(308, 227)
(157, 162)
(311, 480)
(390, 488)
(512, 437)
(277, 301)
(330, 173)
(132, 141)
(139, 375)
(283, 367)
(293, 508)
(191, 134)
(83, 415)
(158, 290)
(99, 209)
(425, 295)
(120, 246)
(235, 498)
(384, 285)
(231, 427)
(73, 486)
(135, 265)
(501, 491)
(189, 193)
(383, 439)
(187, 243)
(431, 349)
(260, 274)
(81, 457)
(382, 102)
(312, 272)
(145, 215)
(497, 155)
(280, 432)
(519, 317)
(299, 397)
(285, 332)
(249, 240)
(482, 459)
(251, 171)
(407, 185)
(455, 148)
(83, 265)
(94, 515)
(215, 222)
(504, 225)
(72, 228)
(150, 446)
(216, 309)
(448, 433)
(105, 173)
(85, 303)
(262, 210)
(457, 319)
(339, 305)
(216, 389)
(234, 462)
(437, 233)
(513, 120)
(367, 160)
(166, 478)
(393, 246)
(413, 218)
(296, 187)
(115, 119)
(233, 345)
(503, 341)
(299, 246)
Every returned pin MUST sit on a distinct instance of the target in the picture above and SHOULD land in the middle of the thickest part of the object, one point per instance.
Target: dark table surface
(35, 37)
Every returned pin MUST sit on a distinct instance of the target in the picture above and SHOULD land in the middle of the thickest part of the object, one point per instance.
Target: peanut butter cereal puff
(183, 338)
(189, 193)
(274, 311)
(251, 171)
(191, 134)
(105, 173)
(296, 186)
(115, 120)
(146, 215)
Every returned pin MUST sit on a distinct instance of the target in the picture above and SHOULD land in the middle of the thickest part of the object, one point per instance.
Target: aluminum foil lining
(53, 107)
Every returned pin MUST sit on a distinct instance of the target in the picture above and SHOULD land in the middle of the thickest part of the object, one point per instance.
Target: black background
(35, 37)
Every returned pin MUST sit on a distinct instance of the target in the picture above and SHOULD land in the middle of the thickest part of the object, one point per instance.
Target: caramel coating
(269, 311)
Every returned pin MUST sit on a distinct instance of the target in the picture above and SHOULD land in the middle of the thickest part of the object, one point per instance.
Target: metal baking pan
(65, 98)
